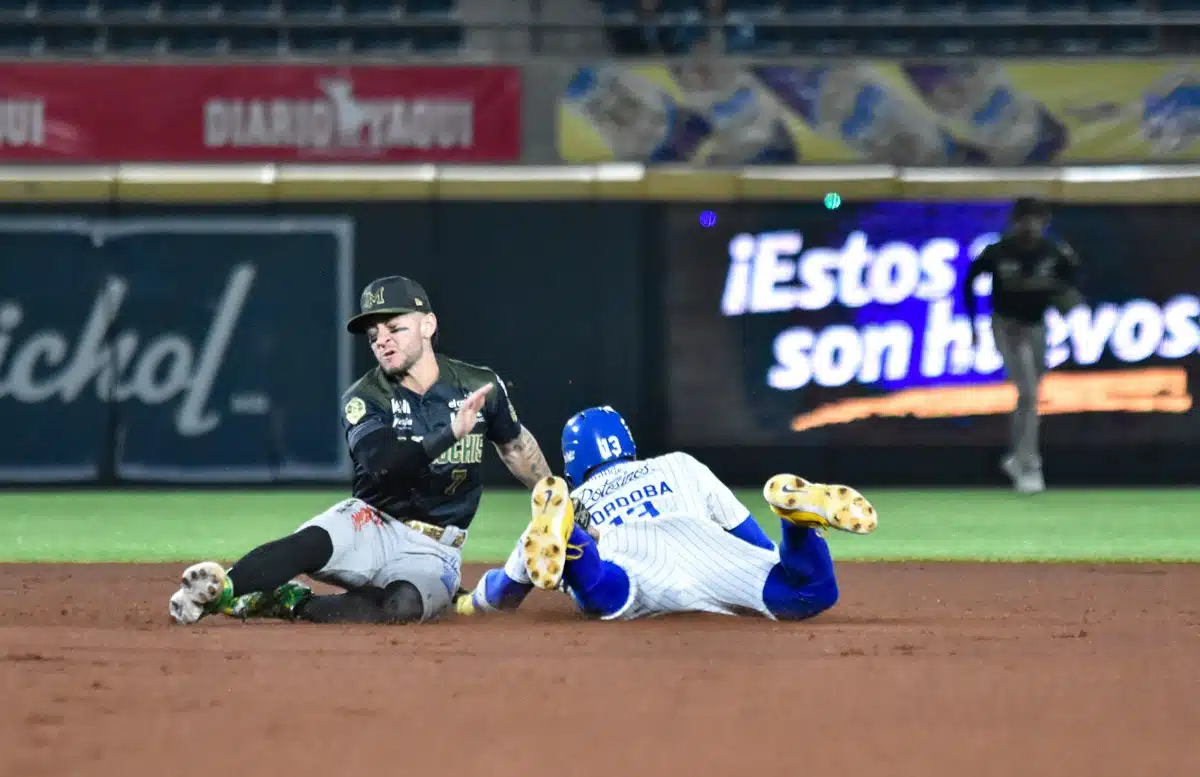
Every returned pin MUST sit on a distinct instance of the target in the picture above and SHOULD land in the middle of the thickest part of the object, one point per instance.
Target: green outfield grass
(1109, 525)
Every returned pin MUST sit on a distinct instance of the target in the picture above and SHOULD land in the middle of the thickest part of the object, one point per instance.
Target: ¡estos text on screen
(772, 273)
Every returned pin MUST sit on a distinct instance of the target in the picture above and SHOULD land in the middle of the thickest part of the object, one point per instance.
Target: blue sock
(802, 584)
(502, 592)
(599, 587)
(804, 554)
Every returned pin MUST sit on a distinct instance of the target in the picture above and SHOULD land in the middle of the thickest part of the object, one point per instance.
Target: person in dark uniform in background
(1030, 274)
(415, 426)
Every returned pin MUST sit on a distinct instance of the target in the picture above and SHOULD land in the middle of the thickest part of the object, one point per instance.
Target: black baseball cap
(1029, 206)
(389, 296)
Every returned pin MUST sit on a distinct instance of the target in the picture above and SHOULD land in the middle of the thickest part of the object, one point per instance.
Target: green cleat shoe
(280, 603)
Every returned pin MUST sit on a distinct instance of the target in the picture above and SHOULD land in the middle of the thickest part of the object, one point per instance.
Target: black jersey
(447, 492)
(1026, 278)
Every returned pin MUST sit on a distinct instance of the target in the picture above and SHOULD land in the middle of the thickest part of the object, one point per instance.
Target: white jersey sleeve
(718, 501)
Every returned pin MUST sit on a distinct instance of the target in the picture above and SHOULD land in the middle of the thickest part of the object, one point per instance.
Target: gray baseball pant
(1023, 347)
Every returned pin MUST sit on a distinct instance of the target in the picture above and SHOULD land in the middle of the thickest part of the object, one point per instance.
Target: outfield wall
(752, 318)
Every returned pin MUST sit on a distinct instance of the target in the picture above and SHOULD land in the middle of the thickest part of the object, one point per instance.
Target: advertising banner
(276, 113)
(183, 348)
(805, 325)
(1007, 113)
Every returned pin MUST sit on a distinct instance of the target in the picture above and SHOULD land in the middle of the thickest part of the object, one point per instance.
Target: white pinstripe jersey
(664, 521)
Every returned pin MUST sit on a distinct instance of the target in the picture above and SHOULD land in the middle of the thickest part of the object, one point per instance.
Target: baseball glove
(583, 519)
(1066, 299)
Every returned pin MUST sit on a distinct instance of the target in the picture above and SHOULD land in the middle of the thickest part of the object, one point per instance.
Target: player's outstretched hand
(464, 419)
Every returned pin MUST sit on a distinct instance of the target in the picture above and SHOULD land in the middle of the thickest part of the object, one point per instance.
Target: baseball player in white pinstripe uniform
(638, 538)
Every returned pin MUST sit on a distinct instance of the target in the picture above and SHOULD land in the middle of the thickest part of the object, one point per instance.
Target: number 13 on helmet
(592, 439)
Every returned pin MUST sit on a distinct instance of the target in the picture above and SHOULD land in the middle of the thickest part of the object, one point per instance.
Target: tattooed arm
(517, 446)
(524, 459)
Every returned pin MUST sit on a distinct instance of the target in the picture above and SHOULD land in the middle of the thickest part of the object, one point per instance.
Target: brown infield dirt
(930, 670)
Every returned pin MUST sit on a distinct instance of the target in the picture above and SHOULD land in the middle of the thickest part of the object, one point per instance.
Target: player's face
(1031, 226)
(400, 341)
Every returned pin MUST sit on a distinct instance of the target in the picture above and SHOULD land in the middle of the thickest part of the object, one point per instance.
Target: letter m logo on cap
(372, 298)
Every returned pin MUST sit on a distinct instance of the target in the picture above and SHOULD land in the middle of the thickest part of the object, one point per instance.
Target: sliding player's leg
(557, 550)
(551, 551)
(804, 584)
(500, 589)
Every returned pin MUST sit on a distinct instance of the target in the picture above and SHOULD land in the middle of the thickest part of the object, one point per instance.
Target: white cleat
(822, 505)
(1030, 483)
(202, 585)
(544, 543)
(1023, 482)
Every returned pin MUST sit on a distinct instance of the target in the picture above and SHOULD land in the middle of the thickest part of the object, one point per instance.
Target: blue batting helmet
(592, 439)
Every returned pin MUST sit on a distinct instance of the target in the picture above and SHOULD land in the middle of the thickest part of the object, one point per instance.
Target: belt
(447, 535)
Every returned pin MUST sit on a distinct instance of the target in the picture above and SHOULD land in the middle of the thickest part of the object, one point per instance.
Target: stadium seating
(396, 28)
(197, 28)
(924, 27)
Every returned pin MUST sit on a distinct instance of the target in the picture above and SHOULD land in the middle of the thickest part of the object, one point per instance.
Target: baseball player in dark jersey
(415, 426)
(1030, 274)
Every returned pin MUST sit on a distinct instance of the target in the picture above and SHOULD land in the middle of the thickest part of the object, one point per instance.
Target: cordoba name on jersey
(627, 504)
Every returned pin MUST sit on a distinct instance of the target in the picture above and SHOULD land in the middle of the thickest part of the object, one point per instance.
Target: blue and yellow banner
(714, 112)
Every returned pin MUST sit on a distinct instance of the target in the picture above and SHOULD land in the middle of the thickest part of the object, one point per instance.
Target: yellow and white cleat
(544, 543)
(822, 505)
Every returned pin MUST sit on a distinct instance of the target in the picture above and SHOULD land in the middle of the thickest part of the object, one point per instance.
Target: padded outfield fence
(271, 256)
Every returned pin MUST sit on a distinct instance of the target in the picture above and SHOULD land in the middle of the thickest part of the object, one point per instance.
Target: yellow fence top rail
(209, 184)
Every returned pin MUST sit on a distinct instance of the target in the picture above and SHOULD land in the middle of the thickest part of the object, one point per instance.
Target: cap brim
(359, 323)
